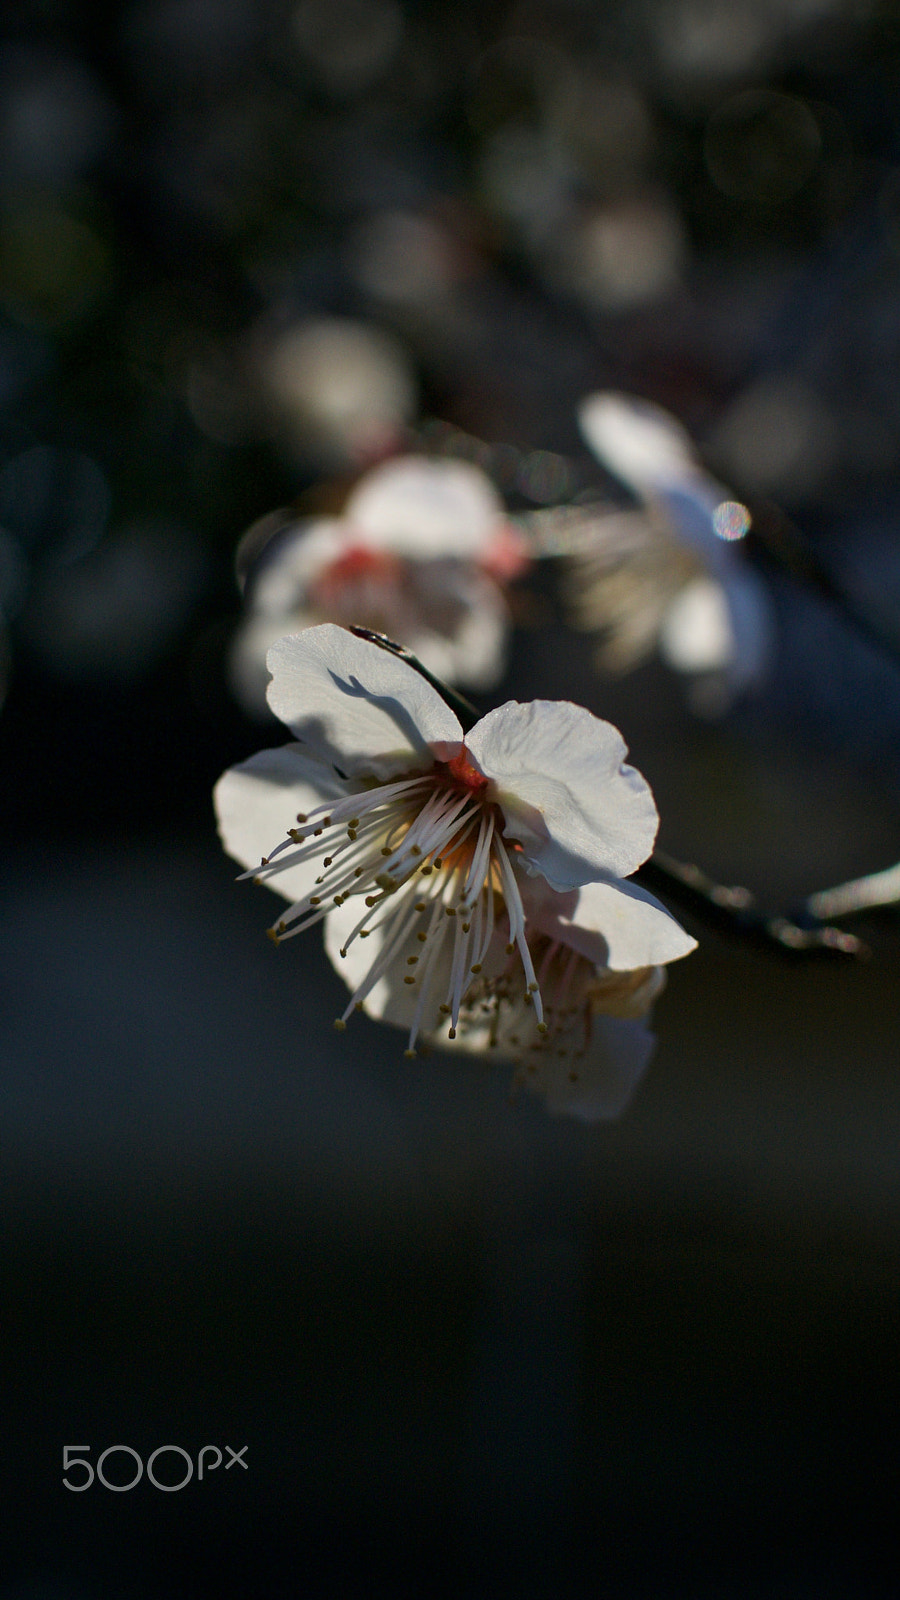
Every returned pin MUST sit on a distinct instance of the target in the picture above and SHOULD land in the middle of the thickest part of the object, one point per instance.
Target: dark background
(471, 1349)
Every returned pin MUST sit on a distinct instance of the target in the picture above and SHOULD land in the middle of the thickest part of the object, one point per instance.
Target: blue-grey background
(472, 1350)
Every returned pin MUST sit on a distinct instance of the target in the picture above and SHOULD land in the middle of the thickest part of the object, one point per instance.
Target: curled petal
(577, 810)
(357, 706)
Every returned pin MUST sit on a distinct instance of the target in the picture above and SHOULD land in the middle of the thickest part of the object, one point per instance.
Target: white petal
(639, 442)
(418, 507)
(614, 924)
(257, 802)
(606, 1077)
(358, 706)
(577, 810)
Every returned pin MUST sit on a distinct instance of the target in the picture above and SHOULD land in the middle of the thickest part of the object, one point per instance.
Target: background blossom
(666, 575)
(412, 555)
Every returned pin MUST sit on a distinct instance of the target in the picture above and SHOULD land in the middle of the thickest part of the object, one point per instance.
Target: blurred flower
(417, 554)
(666, 575)
(341, 393)
(597, 952)
(431, 841)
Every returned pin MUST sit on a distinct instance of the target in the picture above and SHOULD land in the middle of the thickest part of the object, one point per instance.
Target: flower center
(425, 858)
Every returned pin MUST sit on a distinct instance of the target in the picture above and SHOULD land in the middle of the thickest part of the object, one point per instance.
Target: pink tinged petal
(613, 923)
(558, 775)
(417, 507)
(357, 706)
(602, 1083)
(259, 800)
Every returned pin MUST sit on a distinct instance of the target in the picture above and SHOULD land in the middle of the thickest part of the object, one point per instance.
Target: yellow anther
(340, 1025)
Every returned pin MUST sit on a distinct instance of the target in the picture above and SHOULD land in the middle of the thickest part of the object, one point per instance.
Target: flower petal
(257, 802)
(414, 506)
(358, 706)
(612, 922)
(577, 810)
(605, 1079)
(641, 443)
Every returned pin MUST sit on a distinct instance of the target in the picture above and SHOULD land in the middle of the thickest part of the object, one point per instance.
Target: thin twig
(735, 910)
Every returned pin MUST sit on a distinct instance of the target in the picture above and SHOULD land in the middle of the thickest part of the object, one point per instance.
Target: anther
(272, 933)
(409, 978)
(476, 967)
(445, 1010)
(451, 1033)
(315, 899)
(421, 936)
(542, 1028)
(301, 816)
(340, 1025)
(412, 961)
(510, 949)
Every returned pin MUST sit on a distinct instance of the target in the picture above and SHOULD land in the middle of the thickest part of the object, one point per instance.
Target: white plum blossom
(667, 575)
(445, 849)
(413, 555)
